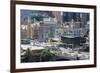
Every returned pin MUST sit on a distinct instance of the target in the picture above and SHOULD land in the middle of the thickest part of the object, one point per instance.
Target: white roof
(25, 47)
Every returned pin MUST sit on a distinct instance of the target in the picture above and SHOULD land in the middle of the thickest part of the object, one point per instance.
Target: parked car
(25, 41)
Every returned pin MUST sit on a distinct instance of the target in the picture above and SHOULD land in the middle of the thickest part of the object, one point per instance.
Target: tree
(46, 55)
(28, 55)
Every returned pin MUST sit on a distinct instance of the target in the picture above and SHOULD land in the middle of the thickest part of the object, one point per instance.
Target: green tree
(46, 54)
(28, 55)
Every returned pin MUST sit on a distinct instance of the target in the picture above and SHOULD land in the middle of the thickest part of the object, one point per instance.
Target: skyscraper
(58, 16)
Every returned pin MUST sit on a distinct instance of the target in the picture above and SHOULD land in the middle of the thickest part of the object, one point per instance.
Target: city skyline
(54, 35)
(66, 16)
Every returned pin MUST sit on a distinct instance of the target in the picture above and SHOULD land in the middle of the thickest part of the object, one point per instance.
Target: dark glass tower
(68, 16)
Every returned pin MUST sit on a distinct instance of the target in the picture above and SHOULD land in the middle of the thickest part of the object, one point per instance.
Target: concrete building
(47, 29)
(58, 16)
(24, 33)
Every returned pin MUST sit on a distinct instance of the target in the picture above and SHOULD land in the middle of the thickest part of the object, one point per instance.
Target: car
(25, 41)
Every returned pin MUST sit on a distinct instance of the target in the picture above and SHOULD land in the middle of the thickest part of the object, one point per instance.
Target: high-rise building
(84, 18)
(47, 29)
(58, 16)
(24, 34)
(68, 16)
